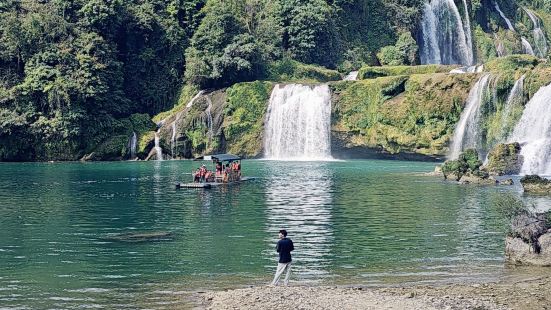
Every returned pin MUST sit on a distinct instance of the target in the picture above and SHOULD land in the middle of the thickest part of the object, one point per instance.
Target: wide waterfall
(533, 132)
(298, 124)
(539, 36)
(467, 131)
(445, 39)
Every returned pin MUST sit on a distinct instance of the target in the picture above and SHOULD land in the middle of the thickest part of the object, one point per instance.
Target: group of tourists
(224, 173)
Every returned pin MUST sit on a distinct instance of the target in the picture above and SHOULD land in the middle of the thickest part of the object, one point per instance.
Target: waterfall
(173, 139)
(158, 148)
(298, 123)
(190, 103)
(507, 20)
(467, 27)
(209, 119)
(539, 35)
(352, 76)
(469, 69)
(533, 132)
(444, 38)
(515, 97)
(467, 131)
(133, 145)
(526, 47)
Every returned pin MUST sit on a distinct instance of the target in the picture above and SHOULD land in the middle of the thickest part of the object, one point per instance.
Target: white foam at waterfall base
(445, 39)
(467, 131)
(533, 132)
(158, 148)
(298, 124)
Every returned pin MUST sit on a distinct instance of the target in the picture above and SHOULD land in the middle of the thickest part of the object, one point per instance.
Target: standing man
(284, 248)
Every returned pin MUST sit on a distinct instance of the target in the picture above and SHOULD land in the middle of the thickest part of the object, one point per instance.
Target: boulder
(507, 182)
(536, 184)
(505, 159)
(480, 177)
(520, 252)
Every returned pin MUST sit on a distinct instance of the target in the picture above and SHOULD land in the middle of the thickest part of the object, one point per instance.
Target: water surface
(353, 222)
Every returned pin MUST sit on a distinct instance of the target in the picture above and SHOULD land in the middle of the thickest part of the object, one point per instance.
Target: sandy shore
(515, 292)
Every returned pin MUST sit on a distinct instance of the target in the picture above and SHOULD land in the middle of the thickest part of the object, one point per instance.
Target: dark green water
(355, 222)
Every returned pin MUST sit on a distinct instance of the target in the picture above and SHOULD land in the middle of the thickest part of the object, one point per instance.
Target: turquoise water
(353, 222)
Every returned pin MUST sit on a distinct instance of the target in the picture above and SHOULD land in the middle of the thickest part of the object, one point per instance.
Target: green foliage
(288, 70)
(375, 72)
(404, 52)
(142, 123)
(467, 162)
(511, 63)
(244, 122)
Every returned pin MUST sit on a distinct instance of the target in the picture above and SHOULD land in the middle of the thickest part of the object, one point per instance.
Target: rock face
(505, 159)
(519, 252)
(536, 184)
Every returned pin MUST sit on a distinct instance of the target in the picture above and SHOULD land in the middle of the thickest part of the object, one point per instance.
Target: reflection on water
(364, 222)
(299, 199)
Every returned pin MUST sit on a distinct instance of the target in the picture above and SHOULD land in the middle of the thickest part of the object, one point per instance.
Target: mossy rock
(511, 63)
(376, 72)
(536, 184)
(114, 148)
(505, 159)
(244, 117)
(467, 164)
(288, 70)
(146, 141)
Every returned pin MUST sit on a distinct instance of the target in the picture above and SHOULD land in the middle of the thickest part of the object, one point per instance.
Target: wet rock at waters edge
(505, 159)
(520, 252)
(506, 182)
(467, 170)
(536, 184)
(140, 236)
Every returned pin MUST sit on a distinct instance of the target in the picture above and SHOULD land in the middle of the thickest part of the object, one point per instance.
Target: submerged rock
(536, 184)
(507, 182)
(505, 159)
(141, 236)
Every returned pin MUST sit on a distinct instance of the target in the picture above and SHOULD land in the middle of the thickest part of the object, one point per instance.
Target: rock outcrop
(505, 159)
(529, 241)
(467, 170)
(536, 185)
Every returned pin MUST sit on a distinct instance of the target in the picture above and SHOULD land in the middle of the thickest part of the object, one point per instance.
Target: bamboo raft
(207, 185)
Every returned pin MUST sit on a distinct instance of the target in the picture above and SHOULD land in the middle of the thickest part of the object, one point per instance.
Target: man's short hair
(283, 232)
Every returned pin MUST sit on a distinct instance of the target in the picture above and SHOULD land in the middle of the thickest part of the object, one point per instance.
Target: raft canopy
(220, 157)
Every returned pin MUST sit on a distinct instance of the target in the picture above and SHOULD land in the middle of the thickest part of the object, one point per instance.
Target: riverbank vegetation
(73, 72)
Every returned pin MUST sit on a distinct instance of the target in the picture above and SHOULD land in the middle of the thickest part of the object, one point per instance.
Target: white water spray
(158, 149)
(133, 145)
(539, 36)
(533, 132)
(298, 124)
(445, 39)
(352, 76)
(467, 131)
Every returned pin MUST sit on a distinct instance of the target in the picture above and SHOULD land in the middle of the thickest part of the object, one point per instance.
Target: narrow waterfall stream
(298, 123)
(133, 145)
(526, 46)
(467, 131)
(533, 132)
(539, 36)
(445, 38)
(158, 149)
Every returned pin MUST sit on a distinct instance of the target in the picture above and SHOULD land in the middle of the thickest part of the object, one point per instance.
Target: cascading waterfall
(444, 37)
(539, 36)
(533, 132)
(208, 112)
(469, 69)
(507, 20)
(526, 46)
(516, 97)
(173, 139)
(190, 103)
(467, 131)
(352, 76)
(158, 149)
(298, 124)
(467, 27)
(133, 145)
